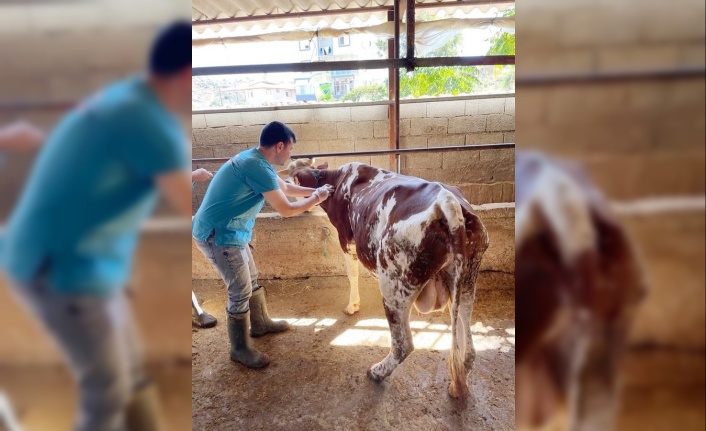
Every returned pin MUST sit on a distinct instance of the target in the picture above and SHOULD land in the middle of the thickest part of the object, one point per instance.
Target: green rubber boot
(260, 322)
(241, 349)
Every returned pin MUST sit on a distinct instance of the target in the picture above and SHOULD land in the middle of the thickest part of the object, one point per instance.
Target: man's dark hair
(171, 49)
(275, 132)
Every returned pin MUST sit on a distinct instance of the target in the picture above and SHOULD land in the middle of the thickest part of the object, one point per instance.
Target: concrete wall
(637, 138)
(484, 176)
(307, 246)
(671, 242)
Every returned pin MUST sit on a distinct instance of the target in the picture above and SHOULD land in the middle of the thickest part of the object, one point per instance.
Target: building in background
(259, 93)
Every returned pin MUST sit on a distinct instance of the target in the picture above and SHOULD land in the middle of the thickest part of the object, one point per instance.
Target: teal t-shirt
(234, 198)
(92, 186)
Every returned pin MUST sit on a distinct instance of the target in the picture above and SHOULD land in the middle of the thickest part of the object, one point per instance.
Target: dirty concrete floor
(44, 398)
(317, 376)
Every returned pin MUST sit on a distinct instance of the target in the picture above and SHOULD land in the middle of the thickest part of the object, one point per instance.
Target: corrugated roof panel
(222, 9)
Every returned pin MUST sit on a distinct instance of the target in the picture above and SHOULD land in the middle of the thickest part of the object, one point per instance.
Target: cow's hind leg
(397, 308)
(467, 284)
(352, 269)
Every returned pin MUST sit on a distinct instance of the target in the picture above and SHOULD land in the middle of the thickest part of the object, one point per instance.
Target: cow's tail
(461, 250)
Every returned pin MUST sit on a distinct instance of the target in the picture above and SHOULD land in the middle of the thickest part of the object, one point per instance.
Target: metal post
(410, 35)
(391, 78)
(397, 81)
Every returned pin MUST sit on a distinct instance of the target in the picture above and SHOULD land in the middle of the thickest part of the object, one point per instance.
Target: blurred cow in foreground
(578, 281)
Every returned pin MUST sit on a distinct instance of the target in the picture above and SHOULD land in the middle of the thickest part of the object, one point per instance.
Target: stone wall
(637, 138)
(484, 176)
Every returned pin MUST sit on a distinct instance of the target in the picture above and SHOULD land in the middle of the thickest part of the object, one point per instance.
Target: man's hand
(201, 174)
(323, 192)
(177, 190)
(21, 136)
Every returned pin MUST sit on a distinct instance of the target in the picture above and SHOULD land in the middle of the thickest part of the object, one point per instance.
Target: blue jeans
(237, 269)
(99, 339)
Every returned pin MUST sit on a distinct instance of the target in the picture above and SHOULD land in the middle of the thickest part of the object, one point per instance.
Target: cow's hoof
(375, 376)
(351, 309)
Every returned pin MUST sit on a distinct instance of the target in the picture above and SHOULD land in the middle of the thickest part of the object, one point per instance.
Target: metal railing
(396, 152)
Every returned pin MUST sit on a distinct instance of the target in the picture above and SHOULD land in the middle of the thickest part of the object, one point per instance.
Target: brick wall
(484, 176)
(637, 139)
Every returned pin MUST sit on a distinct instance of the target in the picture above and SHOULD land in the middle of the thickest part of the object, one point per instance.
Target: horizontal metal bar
(609, 76)
(480, 60)
(359, 10)
(43, 105)
(354, 104)
(323, 66)
(297, 67)
(380, 152)
(27, 105)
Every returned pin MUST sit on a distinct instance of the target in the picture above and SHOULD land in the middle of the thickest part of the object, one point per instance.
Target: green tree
(503, 43)
(435, 81)
(366, 93)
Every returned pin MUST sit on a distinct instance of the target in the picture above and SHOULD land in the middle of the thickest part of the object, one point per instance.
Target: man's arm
(294, 190)
(201, 174)
(176, 189)
(20, 136)
(279, 202)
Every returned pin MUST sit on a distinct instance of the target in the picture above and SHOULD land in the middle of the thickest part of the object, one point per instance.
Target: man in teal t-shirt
(223, 225)
(70, 241)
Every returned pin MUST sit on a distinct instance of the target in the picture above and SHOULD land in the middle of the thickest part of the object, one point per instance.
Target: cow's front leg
(397, 312)
(352, 271)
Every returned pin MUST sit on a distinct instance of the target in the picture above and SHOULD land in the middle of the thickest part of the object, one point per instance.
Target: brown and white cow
(578, 281)
(423, 242)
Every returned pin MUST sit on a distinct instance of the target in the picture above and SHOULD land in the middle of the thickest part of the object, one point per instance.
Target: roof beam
(323, 66)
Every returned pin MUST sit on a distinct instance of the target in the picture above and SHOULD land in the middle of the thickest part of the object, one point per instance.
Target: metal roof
(278, 15)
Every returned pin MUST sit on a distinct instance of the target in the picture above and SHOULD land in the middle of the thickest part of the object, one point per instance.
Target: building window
(304, 45)
(344, 40)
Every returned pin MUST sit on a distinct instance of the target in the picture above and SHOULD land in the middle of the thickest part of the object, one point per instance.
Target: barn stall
(317, 375)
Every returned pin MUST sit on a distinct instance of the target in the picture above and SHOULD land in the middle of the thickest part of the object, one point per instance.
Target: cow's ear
(284, 172)
(323, 166)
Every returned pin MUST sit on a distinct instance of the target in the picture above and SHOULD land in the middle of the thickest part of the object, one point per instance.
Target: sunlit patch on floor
(318, 324)
(375, 332)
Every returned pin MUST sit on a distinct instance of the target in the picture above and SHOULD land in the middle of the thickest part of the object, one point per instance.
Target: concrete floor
(317, 377)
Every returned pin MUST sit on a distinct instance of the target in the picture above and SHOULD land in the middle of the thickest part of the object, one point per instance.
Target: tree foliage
(503, 43)
(366, 93)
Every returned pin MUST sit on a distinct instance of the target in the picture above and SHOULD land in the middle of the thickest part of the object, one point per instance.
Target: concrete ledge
(669, 235)
(160, 284)
(307, 246)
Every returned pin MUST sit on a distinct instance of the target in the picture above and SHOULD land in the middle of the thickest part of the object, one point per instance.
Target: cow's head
(303, 173)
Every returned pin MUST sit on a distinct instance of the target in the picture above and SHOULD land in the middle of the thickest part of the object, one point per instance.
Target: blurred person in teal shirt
(71, 239)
